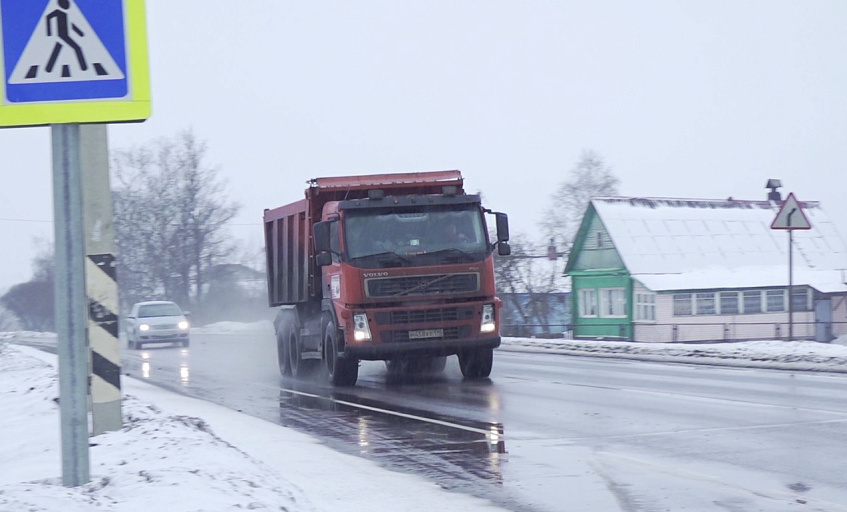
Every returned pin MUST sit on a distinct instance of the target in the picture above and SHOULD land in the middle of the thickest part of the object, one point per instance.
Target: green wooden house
(663, 269)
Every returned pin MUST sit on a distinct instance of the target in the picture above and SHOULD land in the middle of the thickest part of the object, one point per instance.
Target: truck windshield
(436, 231)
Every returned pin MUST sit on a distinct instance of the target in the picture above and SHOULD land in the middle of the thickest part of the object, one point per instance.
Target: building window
(599, 239)
(705, 303)
(752, 301)
(587, 303)
(775, 300)
(801, 299)
(645, 306)
(729, 303)
(682, 304)
(612, 302)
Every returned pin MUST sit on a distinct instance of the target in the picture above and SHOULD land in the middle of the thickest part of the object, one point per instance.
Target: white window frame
(588, 303)
(738, 303)
(807, 293)
(612, 302)
(750, 293)
(645, 307)
(678, 298)
(703, 298)
(775, 294)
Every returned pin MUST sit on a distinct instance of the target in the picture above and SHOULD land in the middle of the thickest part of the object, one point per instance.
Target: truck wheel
(437, 364)
(395, 366)
(476, 363)
(282, 354)
(341, 371)
(295, 364)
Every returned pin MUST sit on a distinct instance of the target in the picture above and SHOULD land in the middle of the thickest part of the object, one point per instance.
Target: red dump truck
(392, 267)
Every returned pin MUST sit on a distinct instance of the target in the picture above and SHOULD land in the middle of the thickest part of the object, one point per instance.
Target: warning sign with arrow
(791, 215)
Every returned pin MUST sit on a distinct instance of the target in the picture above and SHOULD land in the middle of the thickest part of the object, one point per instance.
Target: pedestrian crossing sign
(73, 61)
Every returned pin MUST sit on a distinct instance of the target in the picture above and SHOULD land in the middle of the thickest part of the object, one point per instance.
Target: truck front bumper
(418, 348)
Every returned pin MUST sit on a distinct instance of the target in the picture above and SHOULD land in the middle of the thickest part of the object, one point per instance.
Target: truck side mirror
(502, 227)
(504, 249)
(321, 233)
(323, 259)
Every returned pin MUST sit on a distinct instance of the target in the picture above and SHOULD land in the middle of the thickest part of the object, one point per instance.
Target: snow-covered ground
(181, 454)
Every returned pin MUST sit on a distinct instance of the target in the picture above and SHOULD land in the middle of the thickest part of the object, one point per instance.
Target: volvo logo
(375, 274)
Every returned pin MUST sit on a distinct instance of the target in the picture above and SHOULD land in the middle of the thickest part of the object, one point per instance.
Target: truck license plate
(426, 333)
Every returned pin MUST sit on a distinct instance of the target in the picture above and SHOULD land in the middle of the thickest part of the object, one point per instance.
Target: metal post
(790, 285)
(71, 317)
(100, 280)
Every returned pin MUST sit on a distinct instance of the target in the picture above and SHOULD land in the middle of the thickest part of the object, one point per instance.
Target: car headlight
(487, 324)
(361, 329)
(143, 327)
(183, 326)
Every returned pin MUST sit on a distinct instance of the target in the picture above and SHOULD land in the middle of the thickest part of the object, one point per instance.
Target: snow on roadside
(776, 354)
(179, 454)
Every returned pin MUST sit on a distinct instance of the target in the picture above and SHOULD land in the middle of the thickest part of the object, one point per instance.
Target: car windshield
(159, 310)
(415, 232)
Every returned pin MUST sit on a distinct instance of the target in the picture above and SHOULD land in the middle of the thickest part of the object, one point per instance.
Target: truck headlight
(487, 324)
(361, 330)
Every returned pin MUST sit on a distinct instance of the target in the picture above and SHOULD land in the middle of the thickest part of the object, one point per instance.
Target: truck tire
(282, 353)
(476, 363)
(342, 371)
(437, 364)
(300, 368)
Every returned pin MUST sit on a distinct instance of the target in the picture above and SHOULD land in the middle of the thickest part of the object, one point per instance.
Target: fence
(684, 332)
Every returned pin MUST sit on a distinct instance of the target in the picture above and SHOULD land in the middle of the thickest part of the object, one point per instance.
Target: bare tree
(8, 321)
(591, 177)
(31, 304)
(525, 281)
(170, 219)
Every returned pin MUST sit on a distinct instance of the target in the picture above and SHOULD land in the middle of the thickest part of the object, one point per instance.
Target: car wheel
(184, 343)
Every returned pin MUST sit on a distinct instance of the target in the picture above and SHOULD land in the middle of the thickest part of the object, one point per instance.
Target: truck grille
(424, 316)
(408, 286)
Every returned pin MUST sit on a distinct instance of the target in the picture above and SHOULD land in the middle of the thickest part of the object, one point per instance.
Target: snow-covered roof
(679, 244)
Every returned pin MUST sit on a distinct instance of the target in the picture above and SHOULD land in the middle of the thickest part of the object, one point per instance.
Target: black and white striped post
(100, 280)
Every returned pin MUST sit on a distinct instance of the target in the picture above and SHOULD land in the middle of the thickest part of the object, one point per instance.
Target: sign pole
(790, 285)
(791, 217)
(71, 316)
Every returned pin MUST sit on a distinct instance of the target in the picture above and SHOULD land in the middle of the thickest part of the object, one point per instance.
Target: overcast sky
(681, 99)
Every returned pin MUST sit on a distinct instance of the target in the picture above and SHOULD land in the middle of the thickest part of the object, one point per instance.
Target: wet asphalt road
(551, 432)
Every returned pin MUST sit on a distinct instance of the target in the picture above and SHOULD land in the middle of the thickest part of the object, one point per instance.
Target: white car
(156, 322)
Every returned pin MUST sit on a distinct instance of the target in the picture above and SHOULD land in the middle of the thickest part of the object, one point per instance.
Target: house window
(752, 301)
(801, 299)
(775, 300)
(705, 303)
(588, 303)
(612, 302)
(645, 306)
(682, 304)
(729, 303)
(599, 239)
